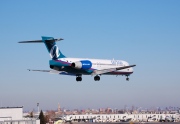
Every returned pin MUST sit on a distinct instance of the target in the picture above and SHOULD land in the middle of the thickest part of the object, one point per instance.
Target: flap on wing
(96, 72)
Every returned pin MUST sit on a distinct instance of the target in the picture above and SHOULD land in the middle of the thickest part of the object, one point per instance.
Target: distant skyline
(145, 33)
(127, 108)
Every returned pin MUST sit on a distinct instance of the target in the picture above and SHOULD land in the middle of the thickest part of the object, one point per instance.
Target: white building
(122, 117)
(11, 113)
(14, 115)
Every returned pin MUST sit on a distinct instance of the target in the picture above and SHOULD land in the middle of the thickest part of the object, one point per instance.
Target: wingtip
(133, 65)
(59, 39)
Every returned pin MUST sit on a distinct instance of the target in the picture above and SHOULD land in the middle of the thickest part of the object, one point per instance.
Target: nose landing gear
(127, 79)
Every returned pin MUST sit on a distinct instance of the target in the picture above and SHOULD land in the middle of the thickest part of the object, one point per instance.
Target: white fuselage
(99, 64)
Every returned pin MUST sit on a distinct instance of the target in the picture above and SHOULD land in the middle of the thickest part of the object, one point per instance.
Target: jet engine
(83, 64)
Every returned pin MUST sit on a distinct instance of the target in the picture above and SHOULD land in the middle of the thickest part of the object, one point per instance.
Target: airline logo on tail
(54, 52)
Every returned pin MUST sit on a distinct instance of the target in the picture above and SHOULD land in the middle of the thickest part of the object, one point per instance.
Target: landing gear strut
(78, 78)
(127, 79)
(97, 78)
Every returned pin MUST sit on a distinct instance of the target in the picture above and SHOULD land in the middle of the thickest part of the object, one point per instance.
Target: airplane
(60, 64)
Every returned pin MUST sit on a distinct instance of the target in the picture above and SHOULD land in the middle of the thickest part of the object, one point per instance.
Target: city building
(14, 115)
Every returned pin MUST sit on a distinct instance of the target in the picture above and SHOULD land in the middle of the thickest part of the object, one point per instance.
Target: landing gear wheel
(78, 78)
(97, 78)
(127, 79)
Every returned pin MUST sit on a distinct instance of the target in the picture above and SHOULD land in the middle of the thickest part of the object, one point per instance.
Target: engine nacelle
(83, 64)
(54, 67)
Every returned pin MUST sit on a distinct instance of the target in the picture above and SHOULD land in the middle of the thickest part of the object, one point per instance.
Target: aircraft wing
(50, 71)
(54, 72)
(102, 71)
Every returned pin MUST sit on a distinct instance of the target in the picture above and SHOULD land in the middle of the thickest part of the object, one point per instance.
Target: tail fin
(51, 46)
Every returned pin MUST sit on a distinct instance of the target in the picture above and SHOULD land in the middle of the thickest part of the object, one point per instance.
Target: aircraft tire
(78, 78)
(127, 79)
(97, 78)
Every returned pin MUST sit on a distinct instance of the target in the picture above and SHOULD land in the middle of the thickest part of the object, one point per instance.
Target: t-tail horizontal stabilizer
(41, 41)
(51, 46)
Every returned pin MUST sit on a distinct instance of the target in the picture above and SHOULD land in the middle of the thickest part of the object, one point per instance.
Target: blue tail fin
(52, 48)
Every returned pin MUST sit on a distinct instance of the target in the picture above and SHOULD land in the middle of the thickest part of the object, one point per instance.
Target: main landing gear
(78, 78)
(97, 78)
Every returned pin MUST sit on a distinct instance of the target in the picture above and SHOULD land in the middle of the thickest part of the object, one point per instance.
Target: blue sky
(145, 33)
